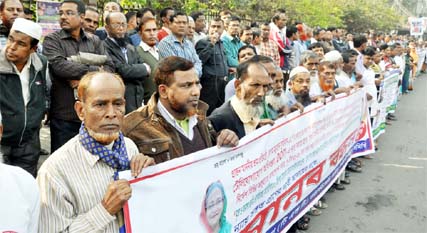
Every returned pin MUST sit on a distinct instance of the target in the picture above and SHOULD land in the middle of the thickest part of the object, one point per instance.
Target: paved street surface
(390, 195)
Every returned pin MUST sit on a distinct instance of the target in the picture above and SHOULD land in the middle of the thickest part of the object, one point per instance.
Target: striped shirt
(170, 46)
(72, 184)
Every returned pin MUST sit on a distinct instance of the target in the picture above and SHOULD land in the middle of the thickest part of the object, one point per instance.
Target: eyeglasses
(67, 13)
(117, 25)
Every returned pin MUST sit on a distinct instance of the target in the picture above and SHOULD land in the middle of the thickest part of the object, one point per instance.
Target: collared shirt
(192, 121)
(171, 46)
(231, 46)
(153, 50)
(249, 123)
(57, 47)
(270, 49)
(19, 200)
(198, 36)
(72, 184)
(123, 49)
(24, 76)
(290, 99)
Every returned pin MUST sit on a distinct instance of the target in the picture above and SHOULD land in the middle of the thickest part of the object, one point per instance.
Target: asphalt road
(390, 195)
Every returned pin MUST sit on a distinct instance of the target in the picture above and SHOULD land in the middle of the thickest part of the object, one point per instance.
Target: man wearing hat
(22, 95)
(299, 88)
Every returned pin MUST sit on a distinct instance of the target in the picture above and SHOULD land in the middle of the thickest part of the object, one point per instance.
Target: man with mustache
(242, 113)
(276, 100)
(127, 61)
(58, 47)
(9, 11)
(299, 87)
(325, 86)
(149, 52)
(79, 187)
(22, 95)
(176, 44)
(173, 123)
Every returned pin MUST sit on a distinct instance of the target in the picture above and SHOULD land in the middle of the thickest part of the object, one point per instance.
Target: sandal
(321, 205)
(346, 181)
(353, 168)
(305, 218)
(357, 162)
(314, 212)
(302, 225)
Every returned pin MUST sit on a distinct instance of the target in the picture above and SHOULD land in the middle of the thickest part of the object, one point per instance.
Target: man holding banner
(174, 121)
(78, 183)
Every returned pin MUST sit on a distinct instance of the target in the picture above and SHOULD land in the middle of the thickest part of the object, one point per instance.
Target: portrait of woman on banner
(213, 211)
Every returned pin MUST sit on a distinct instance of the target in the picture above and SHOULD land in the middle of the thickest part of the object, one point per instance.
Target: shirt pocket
(158, 149)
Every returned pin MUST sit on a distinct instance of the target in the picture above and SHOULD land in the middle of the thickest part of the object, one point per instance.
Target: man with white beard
(275, 101)
(242, 113)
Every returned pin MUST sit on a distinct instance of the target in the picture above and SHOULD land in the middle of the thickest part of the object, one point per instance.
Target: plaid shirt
(270, 49)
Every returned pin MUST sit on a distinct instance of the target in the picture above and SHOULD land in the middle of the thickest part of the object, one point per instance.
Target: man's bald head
(96, 79)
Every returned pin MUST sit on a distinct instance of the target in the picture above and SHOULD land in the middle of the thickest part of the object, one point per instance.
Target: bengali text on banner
(263, 185)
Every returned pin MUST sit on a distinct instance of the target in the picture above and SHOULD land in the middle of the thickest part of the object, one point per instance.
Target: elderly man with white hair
(22, 95)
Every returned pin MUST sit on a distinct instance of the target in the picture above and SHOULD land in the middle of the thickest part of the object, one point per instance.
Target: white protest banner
(417, 28)
(391, 90)
(365, 142)
(263, 185)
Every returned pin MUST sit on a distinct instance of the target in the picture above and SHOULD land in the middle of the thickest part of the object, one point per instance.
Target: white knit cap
(297, 70)
(28, 27)
(332, 56)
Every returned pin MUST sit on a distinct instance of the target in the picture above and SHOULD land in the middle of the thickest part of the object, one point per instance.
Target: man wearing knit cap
(22, 95)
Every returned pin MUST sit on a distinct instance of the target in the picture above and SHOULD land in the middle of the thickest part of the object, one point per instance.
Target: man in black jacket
(215, 68)
(22, 95)
(242, 113)
(60, 47)
(128, 63)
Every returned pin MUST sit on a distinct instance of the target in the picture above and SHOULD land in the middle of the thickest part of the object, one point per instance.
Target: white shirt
(198, 36)
(72, 184)
(19, 200)
(152, 50)
(192, 121)
(368, 81)
(360, 68)
(343, 79)
(24, 76)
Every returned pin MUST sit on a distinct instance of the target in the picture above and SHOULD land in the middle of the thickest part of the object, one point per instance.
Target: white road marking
(402, 166)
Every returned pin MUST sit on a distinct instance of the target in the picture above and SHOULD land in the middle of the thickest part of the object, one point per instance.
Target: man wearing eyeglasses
(126, 59)
(59, 47)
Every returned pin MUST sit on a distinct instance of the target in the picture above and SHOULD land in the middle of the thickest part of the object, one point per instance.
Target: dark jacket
(132, 71)
(22, 122)
(213, 58)
(155, 137)
(57, 47)
(225, 117)
(149, 85)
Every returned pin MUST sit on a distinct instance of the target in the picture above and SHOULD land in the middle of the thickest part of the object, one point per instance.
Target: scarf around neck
(116, 158)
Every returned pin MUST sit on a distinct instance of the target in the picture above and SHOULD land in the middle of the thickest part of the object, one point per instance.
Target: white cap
(298, 70)
(28, 27)
(332, 56)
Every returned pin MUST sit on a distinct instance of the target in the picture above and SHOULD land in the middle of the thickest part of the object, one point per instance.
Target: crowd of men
(132, 94)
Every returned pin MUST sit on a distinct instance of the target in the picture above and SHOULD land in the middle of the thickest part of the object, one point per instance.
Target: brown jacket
(155, 137)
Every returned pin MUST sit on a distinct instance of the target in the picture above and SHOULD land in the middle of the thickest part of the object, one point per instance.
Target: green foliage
(356, 15)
